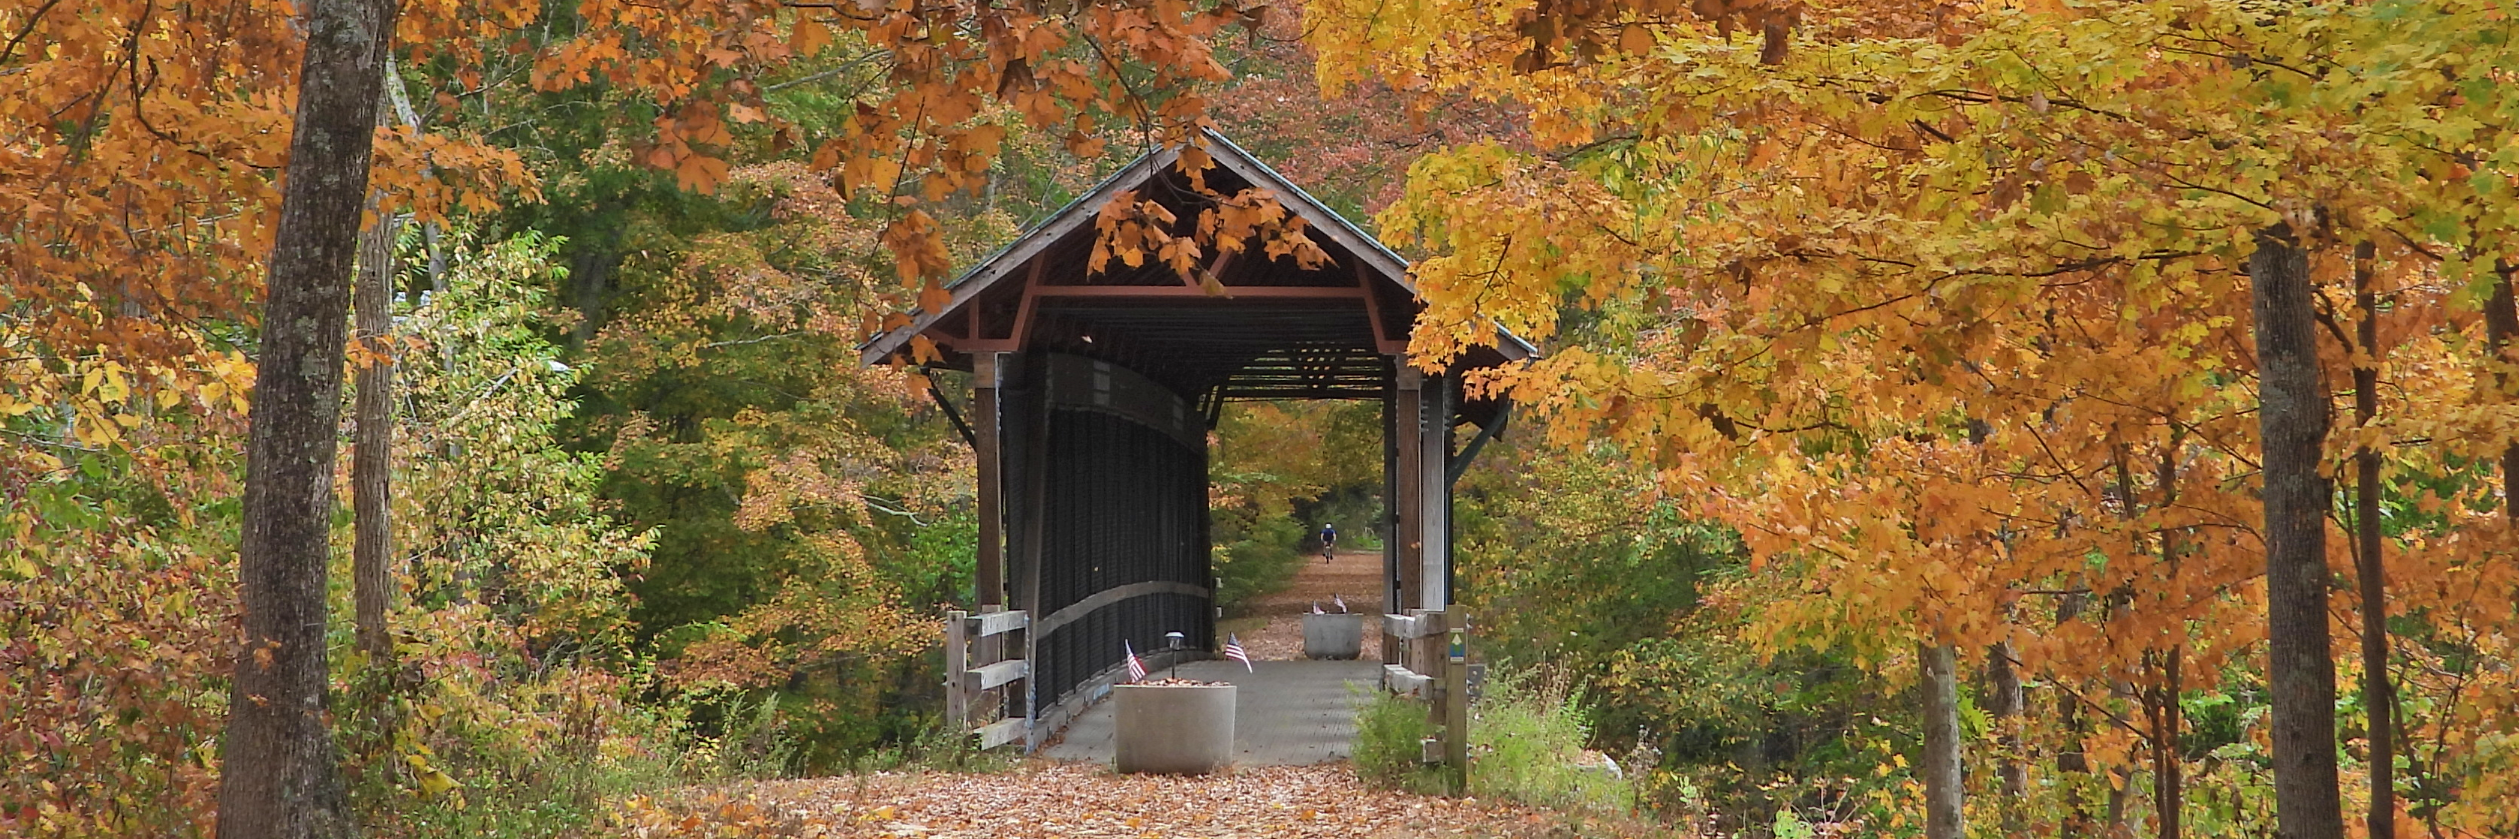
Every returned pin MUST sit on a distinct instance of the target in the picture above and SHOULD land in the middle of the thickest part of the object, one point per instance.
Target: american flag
(1341, 601)
(1136, 669)
(1233, 650)
(1316, 607)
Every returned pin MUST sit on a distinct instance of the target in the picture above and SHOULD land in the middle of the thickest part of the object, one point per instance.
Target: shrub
(1526, 736)
(1388, 730)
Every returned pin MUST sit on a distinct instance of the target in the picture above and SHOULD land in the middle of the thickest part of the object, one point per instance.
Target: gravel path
(1354, 575)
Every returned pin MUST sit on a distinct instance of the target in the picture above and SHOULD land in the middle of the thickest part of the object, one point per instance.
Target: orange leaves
(918, 251)
(1129, 229)
(809, 36)
(678, 137)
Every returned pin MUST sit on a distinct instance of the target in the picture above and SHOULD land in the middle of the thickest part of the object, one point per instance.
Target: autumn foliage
(1871, 325)
(1941, 311)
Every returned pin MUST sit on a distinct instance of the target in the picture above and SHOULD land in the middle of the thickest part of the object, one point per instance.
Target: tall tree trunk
(281, 778)
(1943, 794)
(2005, 701)
(371, 446)
(2293, 418)
(2378, 694)
(2169, 764)
(2071, 764)
(2160, 704)
(2501, 323)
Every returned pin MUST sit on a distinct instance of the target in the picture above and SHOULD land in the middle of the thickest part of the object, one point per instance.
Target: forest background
(1881, 338)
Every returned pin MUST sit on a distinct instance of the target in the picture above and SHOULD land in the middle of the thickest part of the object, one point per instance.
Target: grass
(1525, 735)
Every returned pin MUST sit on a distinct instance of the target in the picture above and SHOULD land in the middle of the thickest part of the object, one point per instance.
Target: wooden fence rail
(983, 654)
(1433, 666)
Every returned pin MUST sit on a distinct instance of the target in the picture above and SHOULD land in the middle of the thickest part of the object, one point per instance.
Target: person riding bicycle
(1329, 541)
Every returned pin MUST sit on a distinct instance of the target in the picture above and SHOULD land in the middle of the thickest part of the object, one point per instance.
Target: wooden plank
(1403, 681)
(998, 623)
(1077, 610)
(1002, 732)
(983, 678)
(957, 706)
(1403, 627)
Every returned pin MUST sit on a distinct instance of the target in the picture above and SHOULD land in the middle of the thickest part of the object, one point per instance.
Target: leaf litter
(1078, 801)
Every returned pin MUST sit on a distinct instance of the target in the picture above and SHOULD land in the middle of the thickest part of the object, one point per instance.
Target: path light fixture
(1174, 641)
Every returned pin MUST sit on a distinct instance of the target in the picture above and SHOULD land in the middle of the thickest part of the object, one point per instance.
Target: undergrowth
(1526, 735)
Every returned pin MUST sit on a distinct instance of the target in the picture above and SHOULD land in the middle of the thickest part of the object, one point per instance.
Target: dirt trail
(1353, 575)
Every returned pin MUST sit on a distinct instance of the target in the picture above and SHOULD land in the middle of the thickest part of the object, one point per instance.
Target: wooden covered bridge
(1092, 396)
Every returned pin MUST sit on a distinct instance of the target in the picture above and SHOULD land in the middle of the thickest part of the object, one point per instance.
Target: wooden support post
(1408, 415)
(1392, 602)
(1434, 493)
(985, 425)
(1456, 701)
(957, 660)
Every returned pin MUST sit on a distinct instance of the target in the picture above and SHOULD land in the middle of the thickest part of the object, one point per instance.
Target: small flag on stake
(1316, 607)
(1233, 650)
(1136, 669)
(1341, 601)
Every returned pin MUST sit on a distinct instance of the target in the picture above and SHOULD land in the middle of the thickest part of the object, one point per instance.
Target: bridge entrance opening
(1092, 395)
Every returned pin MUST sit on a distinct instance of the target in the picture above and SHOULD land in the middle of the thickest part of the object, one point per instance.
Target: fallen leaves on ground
(1079, 801)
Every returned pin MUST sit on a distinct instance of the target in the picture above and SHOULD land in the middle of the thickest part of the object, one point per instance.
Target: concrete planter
(1173, 729)
(1333, 636)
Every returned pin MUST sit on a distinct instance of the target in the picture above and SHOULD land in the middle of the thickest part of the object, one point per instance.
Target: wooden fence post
(1456, 702)
(957, 652)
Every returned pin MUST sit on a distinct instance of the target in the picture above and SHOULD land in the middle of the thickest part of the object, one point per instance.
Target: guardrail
(983, 654)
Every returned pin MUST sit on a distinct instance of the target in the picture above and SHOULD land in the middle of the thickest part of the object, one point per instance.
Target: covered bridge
(1092, 395)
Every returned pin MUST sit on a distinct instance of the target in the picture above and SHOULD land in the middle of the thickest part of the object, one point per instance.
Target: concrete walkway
(1287, 713)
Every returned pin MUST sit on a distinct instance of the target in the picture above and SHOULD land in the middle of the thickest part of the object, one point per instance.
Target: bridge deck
(1288, 713)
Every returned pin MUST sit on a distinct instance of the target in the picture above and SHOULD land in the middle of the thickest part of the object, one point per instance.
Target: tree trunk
(281, 778)
(2293, 419)
(2501, 323)
(2168, 762)
(371, 447)
(1943, 794)
(2168, 766)
(2072, 766)
(2005, 701)
(2378, 694)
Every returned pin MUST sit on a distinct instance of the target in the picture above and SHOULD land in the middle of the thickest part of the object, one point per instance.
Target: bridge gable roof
(1035, 292)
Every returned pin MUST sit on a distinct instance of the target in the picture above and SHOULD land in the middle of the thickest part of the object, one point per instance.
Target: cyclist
(1329, 541)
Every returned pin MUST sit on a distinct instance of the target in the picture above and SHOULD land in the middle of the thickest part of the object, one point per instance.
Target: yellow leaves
(432, 782)
(105, 381)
